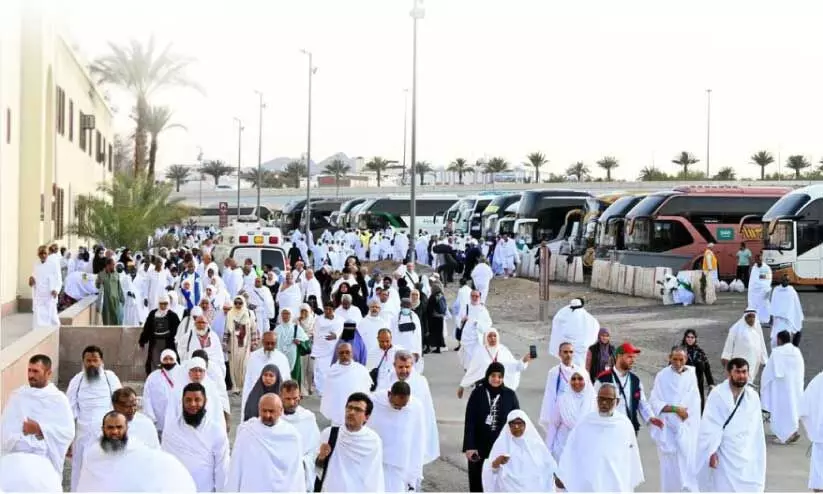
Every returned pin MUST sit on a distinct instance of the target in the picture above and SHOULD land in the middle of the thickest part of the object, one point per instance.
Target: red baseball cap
(626, 348)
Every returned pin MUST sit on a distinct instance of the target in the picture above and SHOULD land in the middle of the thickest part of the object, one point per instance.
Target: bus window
(810, 228)
(669, 235)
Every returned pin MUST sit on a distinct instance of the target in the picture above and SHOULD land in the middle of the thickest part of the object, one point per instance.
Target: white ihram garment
(420, 390)
(478, 321)
(746, 342)
(47, 279)
(558, 382)
(530, 467)
(356, 465)
(89, 401)
(811, 414)
(368, 328)
(781, 390)
(204, 451)
(48, 407)
(322, 350)
(488, 354)
(575, 326)
(787, 313)
(341, 382)
(482, 276)
(28, 472)
(760, 287)
(677, 440)
(570, 408)
(306, 424)
(399, 431)
(264, 459)
(740, 445)
(585, 467)
(142, 428)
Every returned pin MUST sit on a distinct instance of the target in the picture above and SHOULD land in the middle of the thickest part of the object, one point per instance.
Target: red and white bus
(672, 228)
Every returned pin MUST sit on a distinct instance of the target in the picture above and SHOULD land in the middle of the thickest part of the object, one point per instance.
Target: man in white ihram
(89, 395)
(731, 447)
(482, 276)
(37, 418)
(159, 388)
(344, 378)
(787, 313)
(781, 388)
(398, 418)
(45, 283)
(369, 326)
(675, 398)
(140, 426)
(474, 322)
(558, 383)
(811, 414)
(601, 453)
(28, 472)
(265, 456)
(760, 288)
(745, 340)
(305, 422)
(263, 356)
(573, 324)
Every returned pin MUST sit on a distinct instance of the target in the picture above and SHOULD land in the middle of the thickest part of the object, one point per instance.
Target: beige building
(56, 142)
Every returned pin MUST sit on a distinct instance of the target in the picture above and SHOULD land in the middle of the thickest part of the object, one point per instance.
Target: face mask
(168, 366)
(405, 311)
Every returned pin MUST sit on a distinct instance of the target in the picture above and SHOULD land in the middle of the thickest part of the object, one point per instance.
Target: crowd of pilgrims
(359, 341)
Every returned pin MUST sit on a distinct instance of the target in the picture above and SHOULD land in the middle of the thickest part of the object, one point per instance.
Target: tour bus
(340, 218)
(321, 212)
(793, 236)
(580, 226)
(497, 209)
(262, 244)
(394, 212)
(542, 213)
(611, 225)
(466, 213)
(292, 211)
(672, 228)
(210, 215)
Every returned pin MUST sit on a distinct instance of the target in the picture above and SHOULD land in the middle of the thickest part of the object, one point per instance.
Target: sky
(576, 80)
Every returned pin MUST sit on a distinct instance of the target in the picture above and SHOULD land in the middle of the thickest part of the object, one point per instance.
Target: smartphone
(532, 351)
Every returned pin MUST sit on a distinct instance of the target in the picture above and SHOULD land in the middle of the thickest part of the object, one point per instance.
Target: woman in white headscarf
(572, 406)
(306, 321)
(519, 460)
(493, 351)
(241, 333)
(174, 306)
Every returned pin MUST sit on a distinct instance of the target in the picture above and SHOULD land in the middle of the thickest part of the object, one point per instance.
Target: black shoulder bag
(459, 332)
(736, 406)
(318, 481)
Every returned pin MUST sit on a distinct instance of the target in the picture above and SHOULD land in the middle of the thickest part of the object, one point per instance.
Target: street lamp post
(417, 12)
(405, 132)
(259, 152)
(312, 70)
(200, 165)
(239, 149)
(708, 130)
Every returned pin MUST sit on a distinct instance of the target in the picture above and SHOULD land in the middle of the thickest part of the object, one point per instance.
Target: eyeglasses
(354, 408)
(606, 399)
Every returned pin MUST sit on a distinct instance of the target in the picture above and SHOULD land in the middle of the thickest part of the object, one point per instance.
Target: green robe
(109, 286)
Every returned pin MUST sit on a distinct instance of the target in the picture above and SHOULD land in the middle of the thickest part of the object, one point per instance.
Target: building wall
(53, 88)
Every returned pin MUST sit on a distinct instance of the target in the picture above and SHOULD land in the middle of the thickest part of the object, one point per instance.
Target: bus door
(524, 228)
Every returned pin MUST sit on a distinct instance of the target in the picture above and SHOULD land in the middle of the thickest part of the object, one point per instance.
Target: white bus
(466, 213)
(793, 236)
(395, 212)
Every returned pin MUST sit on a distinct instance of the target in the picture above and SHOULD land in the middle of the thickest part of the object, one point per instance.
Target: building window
(8, 125)
(91, 142)
(58, 210)
(98, 144)
(111, 160)
(42, 207)
(71, 120)
(81, 135)
(61, 111)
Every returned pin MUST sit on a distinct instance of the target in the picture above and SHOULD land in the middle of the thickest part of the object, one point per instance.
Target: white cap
(168, 352)
(576, 303)
(163, 298)
(196, 363)
(196, 311)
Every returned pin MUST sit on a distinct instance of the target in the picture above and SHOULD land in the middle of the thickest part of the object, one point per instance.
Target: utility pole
(312, 70)
(260, 153)
(405, 132)
(200, 165)
(708, 130)
(239, 149)
(416, 13)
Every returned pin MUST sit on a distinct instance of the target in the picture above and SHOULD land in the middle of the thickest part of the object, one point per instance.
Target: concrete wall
(83, 313)
(14, 359)
(121, 352)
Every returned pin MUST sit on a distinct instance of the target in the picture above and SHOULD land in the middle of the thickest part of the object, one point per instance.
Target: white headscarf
(162, 312)
(573, 406)
(530, 466)
(484, 356)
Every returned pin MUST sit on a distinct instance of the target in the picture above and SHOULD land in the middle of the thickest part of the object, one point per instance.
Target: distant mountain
(280, 164)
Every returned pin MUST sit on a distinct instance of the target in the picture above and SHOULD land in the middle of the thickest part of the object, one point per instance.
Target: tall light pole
(708, 130)
(259, 152)
(405, 132)
(312, 70)
(200, 165)
(239, 148)
(417, 12)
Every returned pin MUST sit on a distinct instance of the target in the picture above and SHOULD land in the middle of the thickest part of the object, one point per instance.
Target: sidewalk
(13, 326)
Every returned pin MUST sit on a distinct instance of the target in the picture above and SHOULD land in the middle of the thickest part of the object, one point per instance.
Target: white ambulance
(262, 244)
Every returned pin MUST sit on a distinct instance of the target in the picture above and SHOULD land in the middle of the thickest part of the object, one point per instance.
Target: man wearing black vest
(629, 387)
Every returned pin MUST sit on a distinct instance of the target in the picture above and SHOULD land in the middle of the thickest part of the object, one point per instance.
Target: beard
(168, 367)
(268, 422)
(194, 419)
(113, 445)
(606, 414)
(92, 373)
(739, 384)
(289, 411)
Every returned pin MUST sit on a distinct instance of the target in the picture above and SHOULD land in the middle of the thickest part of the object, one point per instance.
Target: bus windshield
(781, 238)
(648, 205)
(788, 205)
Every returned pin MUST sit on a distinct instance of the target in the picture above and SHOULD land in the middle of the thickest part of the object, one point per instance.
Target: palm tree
(536, 160)
(579, 170)
(496, 165)
(725, 173)
(608, 163)
(797, 162)
(255, 179)
(762, 159)
(460, 166)
(158, 119)
(378, 165)
(123, 151)
(294, 172)
(421, 168)
(179, 174)
(338, 168)
(141, 70)
(215, 169)
(685, 159)
(652, 174)
(128, 210)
